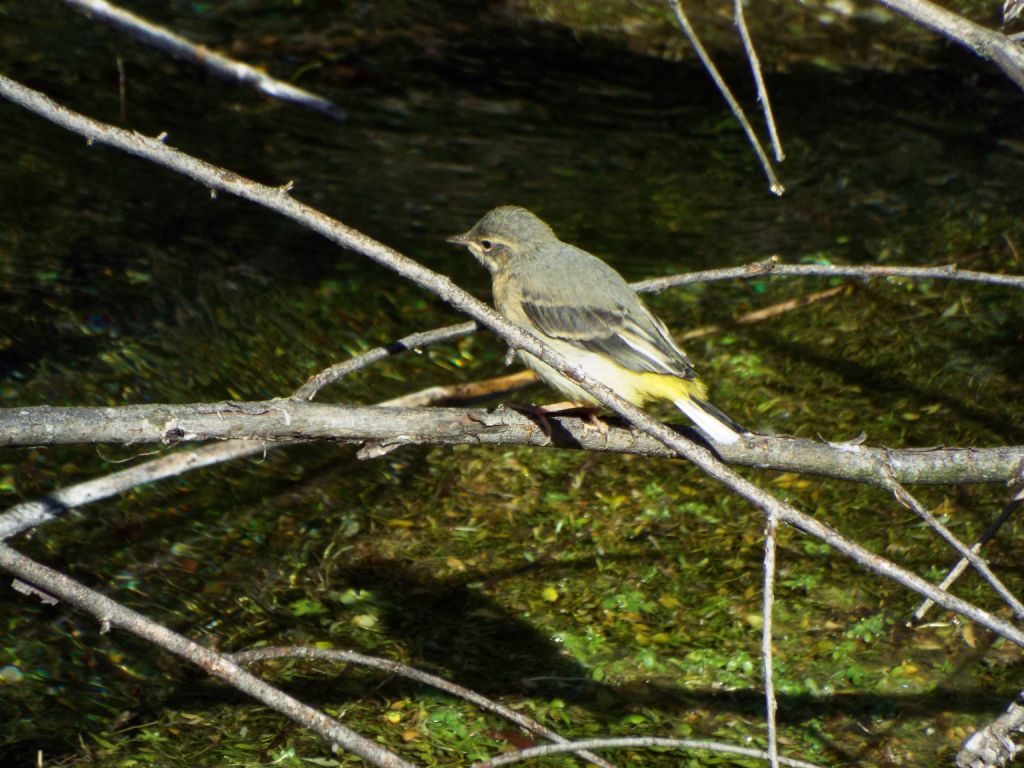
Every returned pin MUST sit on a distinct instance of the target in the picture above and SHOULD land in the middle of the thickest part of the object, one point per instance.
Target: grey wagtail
(588, 313)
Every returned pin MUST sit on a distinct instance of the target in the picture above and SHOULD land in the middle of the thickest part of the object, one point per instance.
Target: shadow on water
(450, 628)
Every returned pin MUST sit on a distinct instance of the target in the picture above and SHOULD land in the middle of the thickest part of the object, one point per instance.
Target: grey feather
(601, 314)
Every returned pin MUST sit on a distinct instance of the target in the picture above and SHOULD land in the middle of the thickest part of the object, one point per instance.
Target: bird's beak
(462, 239)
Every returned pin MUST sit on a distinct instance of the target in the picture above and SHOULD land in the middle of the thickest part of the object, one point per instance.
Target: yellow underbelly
(637, 388)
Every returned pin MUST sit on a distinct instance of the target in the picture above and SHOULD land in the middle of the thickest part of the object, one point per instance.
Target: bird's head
(504, 233)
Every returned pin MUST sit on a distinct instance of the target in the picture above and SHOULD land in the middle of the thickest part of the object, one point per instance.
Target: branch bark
(290, 421)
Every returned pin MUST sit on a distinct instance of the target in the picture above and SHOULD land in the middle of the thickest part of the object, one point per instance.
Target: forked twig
(691, 34)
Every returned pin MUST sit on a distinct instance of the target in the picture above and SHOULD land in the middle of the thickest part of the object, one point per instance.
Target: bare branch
(413, 341)
(111, 614)
(164, 40)
(289, 421)
(773, 268)
(404, 670)
(1003, 51)
(740, 19)
(28, 515)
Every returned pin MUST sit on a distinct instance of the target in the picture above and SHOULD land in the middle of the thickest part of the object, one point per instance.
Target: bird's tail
(710, 420)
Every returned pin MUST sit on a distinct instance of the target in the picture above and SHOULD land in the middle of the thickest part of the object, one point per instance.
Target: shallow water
(121, 282)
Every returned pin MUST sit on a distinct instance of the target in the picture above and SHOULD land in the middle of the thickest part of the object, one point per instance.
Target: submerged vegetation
(601, 595)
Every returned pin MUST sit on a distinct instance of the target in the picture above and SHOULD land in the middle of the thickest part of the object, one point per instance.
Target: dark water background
(122, 283)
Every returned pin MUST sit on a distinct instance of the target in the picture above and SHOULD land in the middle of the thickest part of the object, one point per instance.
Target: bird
(586, 311)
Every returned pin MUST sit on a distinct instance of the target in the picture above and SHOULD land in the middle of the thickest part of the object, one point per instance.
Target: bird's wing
(627, 333)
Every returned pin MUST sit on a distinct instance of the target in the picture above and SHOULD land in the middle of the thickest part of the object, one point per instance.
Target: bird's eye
(486, 244)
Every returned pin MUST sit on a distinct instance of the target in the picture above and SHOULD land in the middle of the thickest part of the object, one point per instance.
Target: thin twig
(755, 68)
(404, 670)
(691, 34)
(413, 341)
(30, 514)
(773, 268)
(961, 564)
(634, 743)
(765, 313)
(768, 604)
(111, 614)
(904, 497)
(220, 65)
(279, 200)
(463, 392)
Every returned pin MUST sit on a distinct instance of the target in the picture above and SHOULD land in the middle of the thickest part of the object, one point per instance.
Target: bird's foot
(565, 408)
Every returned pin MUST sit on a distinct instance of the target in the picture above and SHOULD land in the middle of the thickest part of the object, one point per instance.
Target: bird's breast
(508, 297)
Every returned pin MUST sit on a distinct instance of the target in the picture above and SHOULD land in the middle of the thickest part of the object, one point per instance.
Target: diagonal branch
(961, 565)
(111, 614)
(904, 497)
(740, 19)
(164, 40)
(1004, 52)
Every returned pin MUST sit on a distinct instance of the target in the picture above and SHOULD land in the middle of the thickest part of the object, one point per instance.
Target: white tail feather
(714, 428)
